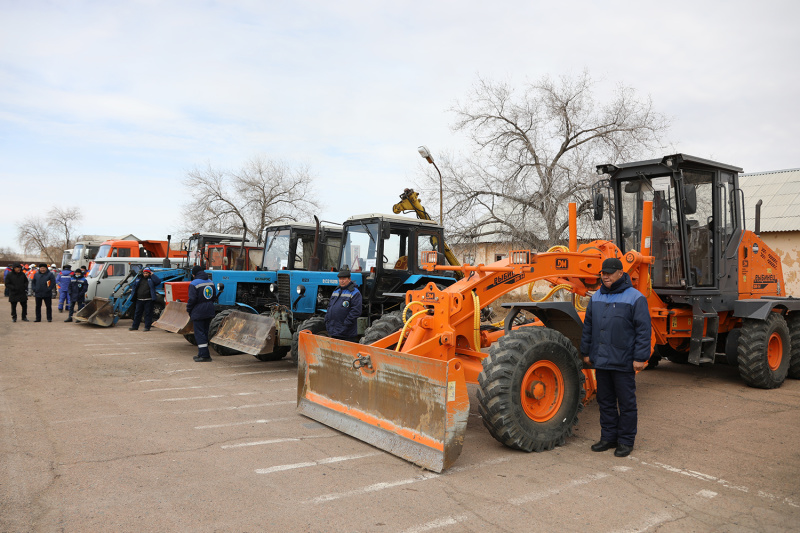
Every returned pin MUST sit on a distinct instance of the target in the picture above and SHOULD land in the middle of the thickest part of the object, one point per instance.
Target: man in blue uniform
(63, 279)
(144, 293)
(341, 320)
(201, 310)
(77, 291)
(42, 287)
(616, 342)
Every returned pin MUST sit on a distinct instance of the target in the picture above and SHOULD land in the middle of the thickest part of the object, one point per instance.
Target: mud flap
(413, 407)
(247, 332)
(100, 311)
(175, 319)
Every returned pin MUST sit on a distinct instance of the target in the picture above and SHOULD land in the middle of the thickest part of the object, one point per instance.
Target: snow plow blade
(413, 407)
(100, 312)
(247, 332)
(175, 319)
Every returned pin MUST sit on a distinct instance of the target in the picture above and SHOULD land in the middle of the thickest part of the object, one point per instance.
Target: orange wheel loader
(711, 285)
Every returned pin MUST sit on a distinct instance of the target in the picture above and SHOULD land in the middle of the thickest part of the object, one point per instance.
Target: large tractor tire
(383, 327)
(213, 328)
(764, 351)
(531, 389)
(793, 322)
(316, 325)
(190, 339)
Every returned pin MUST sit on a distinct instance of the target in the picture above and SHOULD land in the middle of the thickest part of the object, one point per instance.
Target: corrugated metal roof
(780, 191)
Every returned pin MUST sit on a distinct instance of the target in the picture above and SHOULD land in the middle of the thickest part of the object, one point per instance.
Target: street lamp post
(426, 154)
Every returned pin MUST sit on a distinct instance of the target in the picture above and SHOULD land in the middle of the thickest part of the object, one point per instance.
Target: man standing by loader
(341, 320)
(77, 291)
(616, 342)
(144, 293)
(201, 310)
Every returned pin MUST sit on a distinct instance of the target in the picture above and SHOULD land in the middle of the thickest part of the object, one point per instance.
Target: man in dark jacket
(77, 290)
(144, 293)
(17, 291)
(344, 308)
(64, 278)
(42, 286)
(200, 307)
(616, 342)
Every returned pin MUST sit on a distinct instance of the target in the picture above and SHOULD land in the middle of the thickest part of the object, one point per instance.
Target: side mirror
(225, 261)
(689, 200)
(386, 231)
(597, 206)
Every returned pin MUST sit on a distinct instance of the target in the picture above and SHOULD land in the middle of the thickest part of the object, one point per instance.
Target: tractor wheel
(764, 348)
(316, 325)
(732, 347)
(383, 327)
(278, 353)
(191, 339)
(213, 328)
(793, 321)
(679, 357)
(531, 389)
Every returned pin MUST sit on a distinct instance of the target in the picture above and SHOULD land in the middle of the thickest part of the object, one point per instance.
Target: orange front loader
(407, 393)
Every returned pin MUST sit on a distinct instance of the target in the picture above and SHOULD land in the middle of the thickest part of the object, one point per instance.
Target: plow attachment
(100, 311)
(411, 406)
(247, 332)
(175, 319)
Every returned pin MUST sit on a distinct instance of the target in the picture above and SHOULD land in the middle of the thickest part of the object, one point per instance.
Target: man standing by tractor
(77, 291)
(144, 293)
(42, 286)
(201, 310)
(616, 342)
(341, 320)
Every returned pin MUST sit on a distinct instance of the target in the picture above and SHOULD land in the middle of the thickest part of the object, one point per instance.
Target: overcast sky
(106, 105)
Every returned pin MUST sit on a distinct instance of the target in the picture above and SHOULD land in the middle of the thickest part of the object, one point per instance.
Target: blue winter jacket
(201, 297)
(77, 288)
(43, 284)
(343, 312)
(616, 329)
(63, 279)
(154, 282)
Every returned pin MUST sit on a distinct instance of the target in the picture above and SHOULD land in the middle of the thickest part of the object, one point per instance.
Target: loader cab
(226, 256)
(196, 248)
(291, 247)
(697, 220)
(386, 250)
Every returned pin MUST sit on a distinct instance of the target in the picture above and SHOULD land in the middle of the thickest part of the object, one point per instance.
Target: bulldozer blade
(413, 407)
(175, 319)
(100, 311)
(247, 332)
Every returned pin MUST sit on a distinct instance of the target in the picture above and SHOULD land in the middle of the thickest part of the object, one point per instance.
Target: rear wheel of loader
(793, 322)
(531, 389)
(213, 328)
(383, 327)
(191, 339)
(316, 325)
(764, 351)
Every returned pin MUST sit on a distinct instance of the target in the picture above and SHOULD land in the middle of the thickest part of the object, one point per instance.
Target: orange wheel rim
(542, 391)
(774, 351)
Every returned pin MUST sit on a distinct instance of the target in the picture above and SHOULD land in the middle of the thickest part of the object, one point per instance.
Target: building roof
(780, 192)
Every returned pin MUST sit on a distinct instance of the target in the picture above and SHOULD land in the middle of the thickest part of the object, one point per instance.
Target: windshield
(77, 252)
(276, 250)
(360, 249)
(96, 268)
(104, 250)
(330, 253)
(65, 259)
(215, 255)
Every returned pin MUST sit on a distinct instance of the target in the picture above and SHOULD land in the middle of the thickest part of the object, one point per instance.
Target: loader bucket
(411, 406)
(247, 332)
(176, 319)
(100, 311)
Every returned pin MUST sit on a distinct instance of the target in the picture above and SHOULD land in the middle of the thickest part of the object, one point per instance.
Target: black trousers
(24, 305)
(48, 305)
(143, 307)
(72, 303)
(616, 398)
(201, 336)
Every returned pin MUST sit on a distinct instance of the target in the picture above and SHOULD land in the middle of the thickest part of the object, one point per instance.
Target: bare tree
(263, 192)
(535, 151)
(63, 221)
(36, 236)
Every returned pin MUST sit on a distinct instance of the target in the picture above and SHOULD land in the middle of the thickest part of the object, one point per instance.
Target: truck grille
(284, 289)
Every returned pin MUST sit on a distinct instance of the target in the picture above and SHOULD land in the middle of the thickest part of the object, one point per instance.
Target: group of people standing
(42, 285)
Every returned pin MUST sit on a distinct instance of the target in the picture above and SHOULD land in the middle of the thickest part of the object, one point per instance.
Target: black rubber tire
(653, 361)
(383, 327)
(500, 383)
(753, 363)
(190, 338)
(732, 346)
(793, 322)
(316, 325)
(278, 353)
(213, 328)
(679, 357)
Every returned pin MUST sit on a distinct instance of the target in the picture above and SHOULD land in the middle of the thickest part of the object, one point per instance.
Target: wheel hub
(542, 391)
(536, 390)
(774, 351)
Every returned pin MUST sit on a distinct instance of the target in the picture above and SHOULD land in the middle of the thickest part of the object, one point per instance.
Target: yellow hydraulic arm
(409, 201)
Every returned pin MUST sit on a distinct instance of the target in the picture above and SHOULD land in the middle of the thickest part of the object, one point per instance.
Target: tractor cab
(697, 220)
(386, 250)
(291, 246)
(226, 255)
(197, 247)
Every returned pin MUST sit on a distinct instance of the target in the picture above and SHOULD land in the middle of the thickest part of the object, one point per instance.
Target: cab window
(395, 250)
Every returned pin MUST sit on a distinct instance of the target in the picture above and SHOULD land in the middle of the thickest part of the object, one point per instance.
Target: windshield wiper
(368, 232)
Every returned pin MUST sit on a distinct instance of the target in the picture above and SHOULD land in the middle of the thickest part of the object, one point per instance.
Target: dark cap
(42, 265)
(344, 273)
(66, 267)
(196, 269)
(611, 265)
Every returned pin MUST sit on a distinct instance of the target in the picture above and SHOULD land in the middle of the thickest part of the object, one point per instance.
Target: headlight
(320, 298)
(271, 287)
(301, 290)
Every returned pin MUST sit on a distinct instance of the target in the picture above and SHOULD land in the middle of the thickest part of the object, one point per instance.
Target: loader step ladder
(703, 344)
